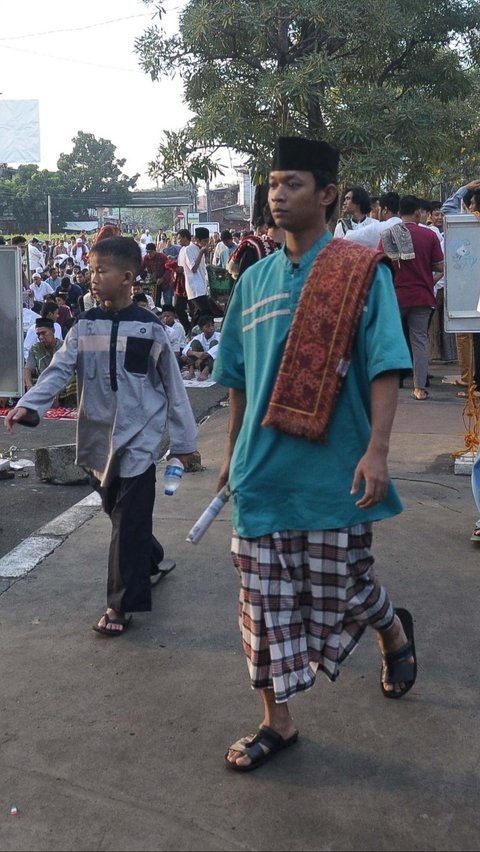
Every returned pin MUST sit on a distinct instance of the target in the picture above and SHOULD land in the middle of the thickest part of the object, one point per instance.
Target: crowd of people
(312, 349)
(176, 280)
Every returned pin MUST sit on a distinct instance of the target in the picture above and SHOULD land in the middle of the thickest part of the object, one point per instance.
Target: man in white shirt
(356, 204)
(370, 234)
(39, 288)
(191, 260)
(35, 255)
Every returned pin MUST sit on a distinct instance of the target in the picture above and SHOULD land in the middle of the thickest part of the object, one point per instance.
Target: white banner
(19, 132)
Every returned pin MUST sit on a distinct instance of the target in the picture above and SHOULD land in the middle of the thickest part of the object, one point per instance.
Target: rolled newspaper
(214, 507)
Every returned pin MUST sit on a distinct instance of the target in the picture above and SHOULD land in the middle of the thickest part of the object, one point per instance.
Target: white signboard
(19, 132)
(462, 273)
(11, 322)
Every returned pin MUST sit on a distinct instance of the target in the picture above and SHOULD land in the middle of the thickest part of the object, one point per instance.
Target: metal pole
(207, 192)
(49, 216)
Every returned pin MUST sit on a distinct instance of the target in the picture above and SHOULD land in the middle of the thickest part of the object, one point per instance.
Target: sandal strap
(400, 655)
(399, 673)
(265, 736)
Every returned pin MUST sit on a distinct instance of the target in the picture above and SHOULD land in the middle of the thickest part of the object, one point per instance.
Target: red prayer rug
(52, 413)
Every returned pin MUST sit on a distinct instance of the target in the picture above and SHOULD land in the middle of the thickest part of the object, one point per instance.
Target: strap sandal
(268, 738)
(397, 666)
(124, 622)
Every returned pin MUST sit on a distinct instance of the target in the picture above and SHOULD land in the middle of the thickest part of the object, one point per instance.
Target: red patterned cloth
(320, 340)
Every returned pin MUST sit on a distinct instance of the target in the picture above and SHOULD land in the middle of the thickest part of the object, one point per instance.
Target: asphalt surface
(27, 503)
(120, 745)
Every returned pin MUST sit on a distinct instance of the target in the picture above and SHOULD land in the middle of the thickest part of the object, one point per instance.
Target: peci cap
(295, 153)
(44, 323)
(202, 233)
(168, 309)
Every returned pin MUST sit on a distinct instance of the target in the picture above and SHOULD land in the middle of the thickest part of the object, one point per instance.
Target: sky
(78, 61)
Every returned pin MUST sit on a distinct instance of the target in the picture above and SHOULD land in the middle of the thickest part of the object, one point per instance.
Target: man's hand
(372, 469)
(14, 416)
(474, 184)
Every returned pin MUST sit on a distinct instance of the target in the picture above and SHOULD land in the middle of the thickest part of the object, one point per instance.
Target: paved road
(119, 745)
(27, 503)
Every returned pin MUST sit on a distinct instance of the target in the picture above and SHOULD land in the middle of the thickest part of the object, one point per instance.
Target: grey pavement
(27, 503)
(119, 744)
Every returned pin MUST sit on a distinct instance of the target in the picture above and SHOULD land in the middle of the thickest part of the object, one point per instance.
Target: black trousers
(134, 551)
(181, 303)
(198, 306)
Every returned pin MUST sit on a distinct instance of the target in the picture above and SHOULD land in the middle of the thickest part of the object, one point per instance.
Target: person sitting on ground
(142, 300)
(201, 351)
(52, 279)
(65, 316)
(73, 293)
(88, 300)
(176, 331)
(137, 289)
(39, 288)
(49, 311)
(41, 353)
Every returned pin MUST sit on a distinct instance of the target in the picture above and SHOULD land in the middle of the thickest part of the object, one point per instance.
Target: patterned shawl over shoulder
(320, 340)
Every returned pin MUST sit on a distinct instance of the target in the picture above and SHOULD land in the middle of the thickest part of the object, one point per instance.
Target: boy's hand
(14, 416)
(185, 458)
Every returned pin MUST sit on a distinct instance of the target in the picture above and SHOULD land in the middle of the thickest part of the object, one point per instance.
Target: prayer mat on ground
(52, 413)
(195, 383)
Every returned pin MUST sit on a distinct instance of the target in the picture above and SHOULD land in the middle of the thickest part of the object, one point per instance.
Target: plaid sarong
(305, 597)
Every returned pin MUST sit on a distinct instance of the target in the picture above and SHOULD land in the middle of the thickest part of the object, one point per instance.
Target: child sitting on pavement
(201, 351)
(175, 330)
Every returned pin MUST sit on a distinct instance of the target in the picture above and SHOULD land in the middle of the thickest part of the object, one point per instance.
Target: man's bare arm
(372, 467)
(238, 403)
(27, 377)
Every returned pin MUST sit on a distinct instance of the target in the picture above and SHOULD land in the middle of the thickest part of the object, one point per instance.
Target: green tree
(26, 195)
(92, 168)
(384, 80)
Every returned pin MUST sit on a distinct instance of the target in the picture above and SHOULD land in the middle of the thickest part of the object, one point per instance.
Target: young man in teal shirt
(302, 533)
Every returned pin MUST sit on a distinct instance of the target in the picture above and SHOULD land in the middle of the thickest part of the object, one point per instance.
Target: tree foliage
(25, 196)
(90, 169)
(384, 80)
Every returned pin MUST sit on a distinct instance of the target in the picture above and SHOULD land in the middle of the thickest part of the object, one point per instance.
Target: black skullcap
(40, 322)
(202, 233)
(294, 153)
(168, 309)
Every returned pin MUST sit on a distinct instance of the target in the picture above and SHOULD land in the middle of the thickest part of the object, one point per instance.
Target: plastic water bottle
(208, 516)
(172, 476)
